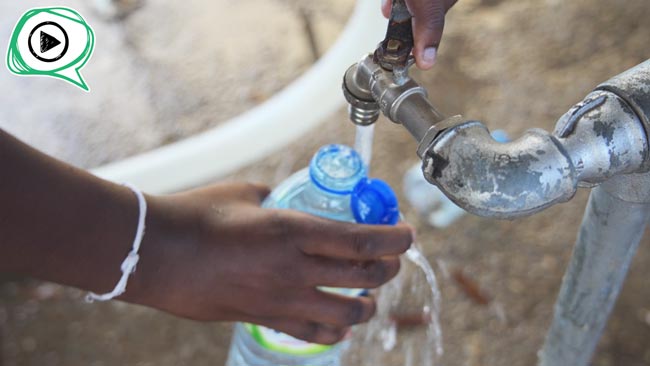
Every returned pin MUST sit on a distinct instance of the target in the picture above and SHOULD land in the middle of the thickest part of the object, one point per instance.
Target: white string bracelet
(131, 261)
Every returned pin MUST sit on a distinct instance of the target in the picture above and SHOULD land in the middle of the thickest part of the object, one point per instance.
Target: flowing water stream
(406, 329)
(363, 140)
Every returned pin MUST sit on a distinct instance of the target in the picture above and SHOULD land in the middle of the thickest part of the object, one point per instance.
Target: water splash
(406, 329)
(434, 330)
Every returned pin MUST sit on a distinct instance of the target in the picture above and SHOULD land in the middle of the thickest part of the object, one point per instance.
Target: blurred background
(164, 70)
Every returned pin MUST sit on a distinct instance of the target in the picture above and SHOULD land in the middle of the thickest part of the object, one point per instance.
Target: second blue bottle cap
(375, 203)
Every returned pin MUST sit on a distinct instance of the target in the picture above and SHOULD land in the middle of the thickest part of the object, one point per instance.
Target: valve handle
(395, 50)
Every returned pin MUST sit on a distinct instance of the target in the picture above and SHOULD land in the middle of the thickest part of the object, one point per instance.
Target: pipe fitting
(604, 137)
(492, 179)
(633, 86)
(363, 110)
(601, 137)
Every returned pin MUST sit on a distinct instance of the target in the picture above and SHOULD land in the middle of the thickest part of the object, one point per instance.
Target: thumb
(428, 26)
(385, 7)
(253, 193)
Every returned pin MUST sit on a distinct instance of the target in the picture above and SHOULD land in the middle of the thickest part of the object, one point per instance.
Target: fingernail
(429, 56)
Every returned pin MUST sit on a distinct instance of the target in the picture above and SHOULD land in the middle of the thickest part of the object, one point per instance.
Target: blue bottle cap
(373, 202)
(337, 169)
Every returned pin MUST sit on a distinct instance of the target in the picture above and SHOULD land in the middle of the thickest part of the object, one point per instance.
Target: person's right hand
(214, 255)
(428, 24)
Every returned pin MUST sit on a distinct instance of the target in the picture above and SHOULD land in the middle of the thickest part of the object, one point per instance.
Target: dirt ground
(512, 64)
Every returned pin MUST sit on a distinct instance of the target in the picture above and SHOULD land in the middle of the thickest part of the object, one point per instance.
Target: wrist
(166, 233)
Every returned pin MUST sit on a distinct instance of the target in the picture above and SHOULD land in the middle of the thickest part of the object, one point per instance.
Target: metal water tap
(601, 137)
(380, 83)
(370, 89)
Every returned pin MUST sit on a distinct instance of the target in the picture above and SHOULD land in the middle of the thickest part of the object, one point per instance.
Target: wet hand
(428, 25)
(214, 255)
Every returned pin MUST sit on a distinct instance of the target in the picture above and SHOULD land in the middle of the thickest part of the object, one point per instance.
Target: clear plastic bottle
(334, 186)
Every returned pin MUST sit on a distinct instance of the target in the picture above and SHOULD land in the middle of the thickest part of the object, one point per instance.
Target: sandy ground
(513, 64)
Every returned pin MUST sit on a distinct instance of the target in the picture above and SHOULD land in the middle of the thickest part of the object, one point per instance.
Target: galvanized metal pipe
(607, 241)
(600, 138)
(418, 113)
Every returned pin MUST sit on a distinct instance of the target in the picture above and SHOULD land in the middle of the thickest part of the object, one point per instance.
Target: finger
(332, 309)
(248, 192)
(251, 192)
(306, 331)
(386, 7)
(353, 241)
(428, 25)
(348, 274)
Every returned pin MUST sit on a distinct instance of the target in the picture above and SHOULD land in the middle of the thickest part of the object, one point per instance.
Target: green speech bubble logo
(54, 42)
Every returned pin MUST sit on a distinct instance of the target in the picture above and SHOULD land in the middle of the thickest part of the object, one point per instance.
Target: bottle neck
(325, 204)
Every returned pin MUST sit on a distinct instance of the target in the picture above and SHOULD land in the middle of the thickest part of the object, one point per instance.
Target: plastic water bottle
(438, 210)
(334, 186)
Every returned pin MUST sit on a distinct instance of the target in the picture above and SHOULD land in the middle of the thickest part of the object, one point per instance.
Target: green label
(276, 341)
(280, 342)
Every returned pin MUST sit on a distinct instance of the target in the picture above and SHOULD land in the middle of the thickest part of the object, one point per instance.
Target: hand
(214, 255)
(211, 254)
(428, 24)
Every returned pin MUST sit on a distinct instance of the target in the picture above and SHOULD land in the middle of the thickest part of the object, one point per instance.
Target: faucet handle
(395, 50)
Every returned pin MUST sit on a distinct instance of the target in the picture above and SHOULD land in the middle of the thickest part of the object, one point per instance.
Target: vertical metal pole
(612, 227)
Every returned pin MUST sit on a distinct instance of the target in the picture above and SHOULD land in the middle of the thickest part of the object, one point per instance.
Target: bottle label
(276, 341)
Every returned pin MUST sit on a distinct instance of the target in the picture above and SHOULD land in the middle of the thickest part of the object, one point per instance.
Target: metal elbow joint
(500, 180)
(599, 138)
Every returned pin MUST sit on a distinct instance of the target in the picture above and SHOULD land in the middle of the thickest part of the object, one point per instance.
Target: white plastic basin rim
(269, 127)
